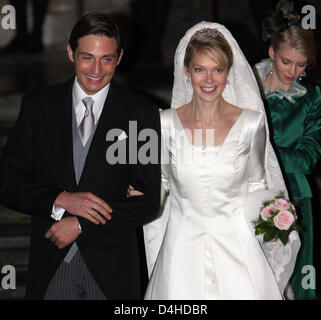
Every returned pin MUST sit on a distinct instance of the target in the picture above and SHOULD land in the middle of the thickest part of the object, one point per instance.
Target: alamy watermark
(309, 19)
(143, 147)
(8, 21)
(308, 281)
(9, 277)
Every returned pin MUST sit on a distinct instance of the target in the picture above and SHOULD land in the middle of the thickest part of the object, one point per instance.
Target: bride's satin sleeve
(280, 257)
(256, 171)
(257, 191)
(154, 231)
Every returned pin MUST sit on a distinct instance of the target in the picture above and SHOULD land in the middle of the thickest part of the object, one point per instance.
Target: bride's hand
(131, 192)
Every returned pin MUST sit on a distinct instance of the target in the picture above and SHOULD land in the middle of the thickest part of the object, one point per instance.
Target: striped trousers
(73, 281)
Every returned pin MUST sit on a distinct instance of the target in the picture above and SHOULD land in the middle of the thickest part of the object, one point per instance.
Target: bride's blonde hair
(210, 42)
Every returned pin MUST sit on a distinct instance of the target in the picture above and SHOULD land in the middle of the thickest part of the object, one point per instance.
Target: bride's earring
(227, 82)
(188, 81)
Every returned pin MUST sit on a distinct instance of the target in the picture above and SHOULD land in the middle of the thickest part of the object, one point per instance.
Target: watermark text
(9, 279)
(8, 21)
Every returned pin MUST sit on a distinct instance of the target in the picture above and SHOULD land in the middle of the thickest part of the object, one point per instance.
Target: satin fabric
(195, 238)
(205, 157)
(296, 131)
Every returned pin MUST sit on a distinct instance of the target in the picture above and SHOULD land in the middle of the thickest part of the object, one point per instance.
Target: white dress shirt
(77, 95)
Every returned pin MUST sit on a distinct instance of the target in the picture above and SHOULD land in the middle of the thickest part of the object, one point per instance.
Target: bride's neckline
(204, 147)
(207, 146)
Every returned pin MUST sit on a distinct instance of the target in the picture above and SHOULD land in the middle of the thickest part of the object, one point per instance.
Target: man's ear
(271, 52)
(70, 53)
(120, 56)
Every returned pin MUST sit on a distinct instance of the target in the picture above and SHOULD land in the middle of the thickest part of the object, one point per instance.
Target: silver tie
(87, 124)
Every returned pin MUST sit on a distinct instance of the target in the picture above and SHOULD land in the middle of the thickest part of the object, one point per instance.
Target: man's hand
(86, 205)
(131, 192)
(64, 232)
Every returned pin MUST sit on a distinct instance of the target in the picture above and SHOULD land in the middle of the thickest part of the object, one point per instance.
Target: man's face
(95, 61)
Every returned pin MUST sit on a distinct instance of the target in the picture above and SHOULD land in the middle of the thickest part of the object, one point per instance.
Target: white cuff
(57, 213)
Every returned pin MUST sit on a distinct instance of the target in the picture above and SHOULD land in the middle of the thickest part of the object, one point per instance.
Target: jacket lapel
(59, 130)
(111, 117)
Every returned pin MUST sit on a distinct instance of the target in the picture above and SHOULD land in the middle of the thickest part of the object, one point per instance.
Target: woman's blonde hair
(208, 40)
(299, 39)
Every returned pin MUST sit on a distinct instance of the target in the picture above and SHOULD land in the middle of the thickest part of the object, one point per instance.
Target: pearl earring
(188, 80)
(303, 74)
(272, 65)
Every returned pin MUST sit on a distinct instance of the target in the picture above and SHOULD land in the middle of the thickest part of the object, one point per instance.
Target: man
(56, 167)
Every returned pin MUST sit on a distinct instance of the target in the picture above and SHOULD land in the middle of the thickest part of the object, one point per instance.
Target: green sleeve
(302, 157)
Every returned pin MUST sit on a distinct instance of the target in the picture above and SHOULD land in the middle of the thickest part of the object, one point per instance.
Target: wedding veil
(241, 91)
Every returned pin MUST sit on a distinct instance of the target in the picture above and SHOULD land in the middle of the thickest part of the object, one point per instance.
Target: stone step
(9, 107)
(9, 110)
(13, 223)
(21, 242)
(13, 294)
(14, 256)
(21, 273)
(17, 258)
(4, 131)
(15, 229)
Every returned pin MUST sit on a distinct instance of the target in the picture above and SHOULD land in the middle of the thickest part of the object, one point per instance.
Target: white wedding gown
(203, 246)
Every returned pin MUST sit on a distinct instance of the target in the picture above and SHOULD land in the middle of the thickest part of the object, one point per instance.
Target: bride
(217, 169)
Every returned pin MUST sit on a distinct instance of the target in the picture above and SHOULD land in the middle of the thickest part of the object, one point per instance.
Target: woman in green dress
(294, 109)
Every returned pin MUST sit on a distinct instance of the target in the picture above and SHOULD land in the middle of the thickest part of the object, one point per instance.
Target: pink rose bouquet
(277, 219)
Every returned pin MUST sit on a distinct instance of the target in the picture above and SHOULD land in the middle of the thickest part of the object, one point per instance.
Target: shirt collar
(99, 100)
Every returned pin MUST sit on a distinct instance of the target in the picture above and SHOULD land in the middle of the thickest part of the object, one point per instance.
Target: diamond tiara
(205, 33)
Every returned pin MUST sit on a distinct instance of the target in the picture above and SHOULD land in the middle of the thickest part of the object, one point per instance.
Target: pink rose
(267, 211)
(282, 204)
(283, 220)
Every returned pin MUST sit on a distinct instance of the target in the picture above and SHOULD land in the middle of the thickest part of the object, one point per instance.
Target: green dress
(295, 117)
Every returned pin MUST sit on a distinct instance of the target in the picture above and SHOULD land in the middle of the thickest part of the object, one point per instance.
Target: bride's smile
(208, 78)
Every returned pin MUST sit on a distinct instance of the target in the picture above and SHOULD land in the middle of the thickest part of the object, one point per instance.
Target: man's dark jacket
(37, 165)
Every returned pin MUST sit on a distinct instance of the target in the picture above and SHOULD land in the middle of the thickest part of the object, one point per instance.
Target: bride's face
(208, 78)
